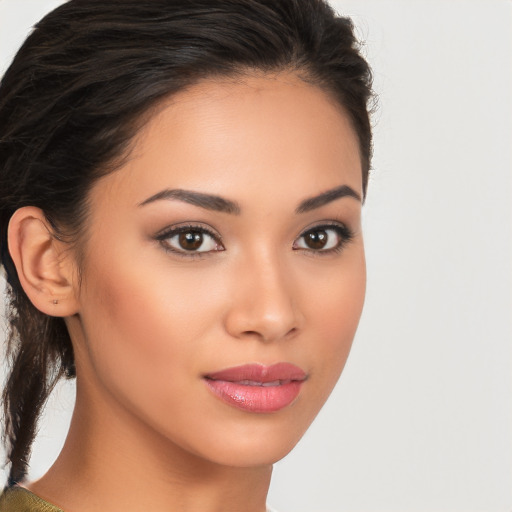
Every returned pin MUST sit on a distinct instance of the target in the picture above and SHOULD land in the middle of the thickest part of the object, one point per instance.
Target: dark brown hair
(73, 99)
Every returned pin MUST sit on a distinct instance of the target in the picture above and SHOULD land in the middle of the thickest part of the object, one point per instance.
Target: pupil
(191, 240)
(316, 239)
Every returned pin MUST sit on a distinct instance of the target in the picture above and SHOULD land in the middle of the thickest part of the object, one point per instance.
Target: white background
(421, 420)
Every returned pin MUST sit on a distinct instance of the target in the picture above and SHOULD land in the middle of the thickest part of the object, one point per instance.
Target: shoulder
(18, 499)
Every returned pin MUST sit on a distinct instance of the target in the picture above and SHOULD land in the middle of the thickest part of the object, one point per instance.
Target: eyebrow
(207, 201)
(327, 197)
(220, 204)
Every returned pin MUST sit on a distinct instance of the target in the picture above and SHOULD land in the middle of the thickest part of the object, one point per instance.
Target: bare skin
(152, 318)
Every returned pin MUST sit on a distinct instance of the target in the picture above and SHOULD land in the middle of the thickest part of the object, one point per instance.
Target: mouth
(257, 388)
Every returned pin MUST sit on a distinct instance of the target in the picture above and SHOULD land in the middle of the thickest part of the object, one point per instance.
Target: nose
(264, 305)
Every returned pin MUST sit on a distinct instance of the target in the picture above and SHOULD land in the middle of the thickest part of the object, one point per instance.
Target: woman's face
(231, 237)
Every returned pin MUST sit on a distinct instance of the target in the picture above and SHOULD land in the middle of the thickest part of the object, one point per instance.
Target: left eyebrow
(327, 197)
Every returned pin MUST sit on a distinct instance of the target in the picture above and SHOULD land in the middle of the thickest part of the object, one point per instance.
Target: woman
(181, 230)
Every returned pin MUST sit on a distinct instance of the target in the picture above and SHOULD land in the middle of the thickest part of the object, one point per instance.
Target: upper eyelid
(342, 230)
(170, 230)
(200, 227)
(325, 224)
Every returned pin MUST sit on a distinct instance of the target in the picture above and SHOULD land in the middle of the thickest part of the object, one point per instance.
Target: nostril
(253, 333)
(291, 333)
(269, 336)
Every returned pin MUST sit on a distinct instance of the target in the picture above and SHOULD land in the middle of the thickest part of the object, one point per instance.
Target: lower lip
(262, 399)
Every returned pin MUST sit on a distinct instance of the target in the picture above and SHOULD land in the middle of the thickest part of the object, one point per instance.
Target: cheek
(129, 329)
(145, 329)
(145, 304)
(337, 308)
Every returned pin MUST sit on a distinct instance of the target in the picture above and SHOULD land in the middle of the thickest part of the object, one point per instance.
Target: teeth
(264, 384)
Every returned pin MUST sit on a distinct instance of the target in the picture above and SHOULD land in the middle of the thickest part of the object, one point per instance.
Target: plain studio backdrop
(421, 420)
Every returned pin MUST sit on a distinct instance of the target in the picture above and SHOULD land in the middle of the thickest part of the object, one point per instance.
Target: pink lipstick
(257, 388)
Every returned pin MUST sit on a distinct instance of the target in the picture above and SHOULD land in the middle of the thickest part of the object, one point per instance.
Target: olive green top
(18, 499)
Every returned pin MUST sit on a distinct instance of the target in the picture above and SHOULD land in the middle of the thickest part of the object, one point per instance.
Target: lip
(257, 388)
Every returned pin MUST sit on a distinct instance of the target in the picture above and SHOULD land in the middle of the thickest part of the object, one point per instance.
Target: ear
(45, 265)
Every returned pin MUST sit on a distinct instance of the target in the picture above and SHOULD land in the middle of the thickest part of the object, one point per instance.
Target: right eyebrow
(207, 201)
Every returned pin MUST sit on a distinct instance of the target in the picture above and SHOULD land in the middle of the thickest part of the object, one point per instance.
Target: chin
(257, 441)
(246, 453)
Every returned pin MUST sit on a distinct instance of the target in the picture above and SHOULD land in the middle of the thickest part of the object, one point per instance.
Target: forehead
(244, 133)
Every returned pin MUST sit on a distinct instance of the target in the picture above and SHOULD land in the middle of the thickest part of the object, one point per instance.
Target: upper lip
(259, 373)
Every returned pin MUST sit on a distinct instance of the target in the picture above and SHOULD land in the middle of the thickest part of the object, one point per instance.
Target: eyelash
(344, 233)
(168, 234)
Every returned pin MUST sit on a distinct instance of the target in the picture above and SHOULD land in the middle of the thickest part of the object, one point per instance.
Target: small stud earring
(55, 301)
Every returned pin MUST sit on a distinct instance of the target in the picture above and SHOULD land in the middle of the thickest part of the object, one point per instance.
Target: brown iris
(316, 239)
(191, 240)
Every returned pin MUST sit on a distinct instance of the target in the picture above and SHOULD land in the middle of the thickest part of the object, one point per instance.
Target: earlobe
(43, 265)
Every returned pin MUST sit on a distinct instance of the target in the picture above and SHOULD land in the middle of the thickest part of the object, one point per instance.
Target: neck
(112, 462)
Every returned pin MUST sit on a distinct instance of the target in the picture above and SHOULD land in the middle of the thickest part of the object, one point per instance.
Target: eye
(190, 239)
(327, 238)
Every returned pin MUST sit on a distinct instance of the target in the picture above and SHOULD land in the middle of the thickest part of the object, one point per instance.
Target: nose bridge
(264, 304)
